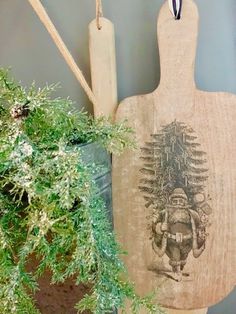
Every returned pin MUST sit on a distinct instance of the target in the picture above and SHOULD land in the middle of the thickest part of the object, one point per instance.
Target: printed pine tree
(173, 159)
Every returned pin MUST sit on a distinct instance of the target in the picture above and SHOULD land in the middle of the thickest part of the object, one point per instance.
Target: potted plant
(53, 221)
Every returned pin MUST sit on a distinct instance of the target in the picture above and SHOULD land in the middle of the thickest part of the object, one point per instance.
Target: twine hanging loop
(99, 13)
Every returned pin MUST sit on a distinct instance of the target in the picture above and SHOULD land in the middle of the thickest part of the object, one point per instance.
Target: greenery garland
(49, 205)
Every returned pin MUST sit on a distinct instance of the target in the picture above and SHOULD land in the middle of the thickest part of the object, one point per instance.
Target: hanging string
(175, 8)
(43, 16)
(99, 13)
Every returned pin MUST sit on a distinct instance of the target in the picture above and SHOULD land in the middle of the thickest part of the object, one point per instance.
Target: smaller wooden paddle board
(103, 66)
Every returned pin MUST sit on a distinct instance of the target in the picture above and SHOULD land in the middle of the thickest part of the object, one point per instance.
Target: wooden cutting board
(174, 197)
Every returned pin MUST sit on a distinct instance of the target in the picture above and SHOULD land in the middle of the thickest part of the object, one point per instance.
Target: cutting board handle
(177, 41)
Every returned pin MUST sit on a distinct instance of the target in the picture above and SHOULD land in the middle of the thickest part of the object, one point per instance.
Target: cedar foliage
(49, 205)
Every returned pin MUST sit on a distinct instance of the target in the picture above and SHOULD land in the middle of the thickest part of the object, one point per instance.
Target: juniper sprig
(49, 205)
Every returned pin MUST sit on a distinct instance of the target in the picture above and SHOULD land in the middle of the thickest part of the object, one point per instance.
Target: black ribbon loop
(176, 8)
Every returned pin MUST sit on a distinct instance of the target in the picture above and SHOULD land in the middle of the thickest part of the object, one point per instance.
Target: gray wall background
(27, 48)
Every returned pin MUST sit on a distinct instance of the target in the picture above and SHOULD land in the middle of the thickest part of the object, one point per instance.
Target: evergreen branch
(192, 145)
(198, 153)
(190, 137)
(197, 170)
(147, 171)
(195, 161)
(49, 203)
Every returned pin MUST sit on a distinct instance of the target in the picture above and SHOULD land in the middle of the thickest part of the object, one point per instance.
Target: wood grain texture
(103, 66)
(212, 116)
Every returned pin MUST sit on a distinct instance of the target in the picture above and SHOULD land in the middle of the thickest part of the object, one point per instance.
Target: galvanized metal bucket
(95, 154)
(61, 298)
